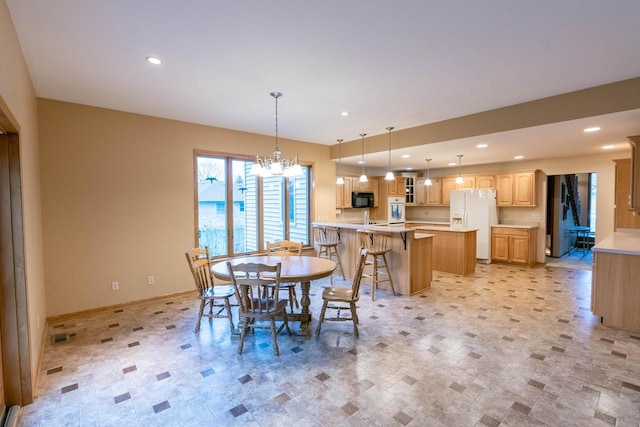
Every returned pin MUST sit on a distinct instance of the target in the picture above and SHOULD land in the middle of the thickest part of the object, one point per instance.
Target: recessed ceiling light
(405, 156)
(154, 60)
(452, 164)
(481, 146)
(361, 162)
(344, 113)
(593, 129)
(518, 157)
(409, 168)
(608, 147)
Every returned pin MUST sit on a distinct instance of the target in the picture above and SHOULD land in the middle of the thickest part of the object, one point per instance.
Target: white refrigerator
(475, 209)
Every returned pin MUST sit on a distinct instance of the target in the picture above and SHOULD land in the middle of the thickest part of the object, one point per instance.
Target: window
(240, 218)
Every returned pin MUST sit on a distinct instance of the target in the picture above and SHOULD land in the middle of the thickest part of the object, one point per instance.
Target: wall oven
(396, 211)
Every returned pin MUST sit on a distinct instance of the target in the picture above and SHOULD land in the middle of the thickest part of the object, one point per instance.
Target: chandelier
(276, 165)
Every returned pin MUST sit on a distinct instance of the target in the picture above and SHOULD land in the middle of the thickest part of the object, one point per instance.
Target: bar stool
(377, 245)
(328, 241)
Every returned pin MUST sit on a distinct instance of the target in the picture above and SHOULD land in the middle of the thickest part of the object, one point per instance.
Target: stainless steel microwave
(361, 200)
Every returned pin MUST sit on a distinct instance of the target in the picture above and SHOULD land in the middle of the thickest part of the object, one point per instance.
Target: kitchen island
(454, 249)
(410, 258)
(615, 280)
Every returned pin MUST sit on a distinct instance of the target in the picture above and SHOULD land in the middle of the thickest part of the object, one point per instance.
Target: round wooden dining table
(301, 269)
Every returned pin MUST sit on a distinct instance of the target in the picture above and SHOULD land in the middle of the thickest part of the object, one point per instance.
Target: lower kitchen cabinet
(514, 245)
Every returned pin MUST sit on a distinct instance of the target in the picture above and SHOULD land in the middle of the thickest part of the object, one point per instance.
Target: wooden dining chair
(286, 248)
(249, 281)
(208, 293)
(343, 298)
(198, 253)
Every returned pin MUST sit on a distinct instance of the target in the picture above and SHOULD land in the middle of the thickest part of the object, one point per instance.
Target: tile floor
(506, 346)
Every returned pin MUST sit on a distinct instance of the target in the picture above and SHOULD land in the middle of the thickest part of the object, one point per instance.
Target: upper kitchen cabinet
(448, 184)
(486, 181)
(428, 194)
(516, 189)
(371, 186)
(396, 187)
(343, 193)
(410, 188)
(624, 217)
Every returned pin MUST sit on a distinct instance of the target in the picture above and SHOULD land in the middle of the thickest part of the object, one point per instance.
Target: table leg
(305, 314)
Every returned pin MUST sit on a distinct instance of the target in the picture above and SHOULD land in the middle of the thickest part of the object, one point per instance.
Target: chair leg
(386, 265)
(374, 277)
(245, 327)
(335, 250)
(354, 317)
(322, 313)
(228, 308)
(200, 313)
(292, 291)
(286, 323)
(274, 335)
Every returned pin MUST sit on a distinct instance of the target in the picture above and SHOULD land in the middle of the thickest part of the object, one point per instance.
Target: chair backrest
(357, 278)
(201, 270)
(326, 235)
(375, 241)
(250, 281)
(284, 247)
(198, 253)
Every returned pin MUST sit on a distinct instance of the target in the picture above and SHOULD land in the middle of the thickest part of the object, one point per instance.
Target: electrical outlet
(535, 216)
(151, 280)
(115, 286)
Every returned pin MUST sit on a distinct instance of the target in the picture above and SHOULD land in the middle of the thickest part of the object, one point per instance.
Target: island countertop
(528, 226)
(625, 243)
(373, 227)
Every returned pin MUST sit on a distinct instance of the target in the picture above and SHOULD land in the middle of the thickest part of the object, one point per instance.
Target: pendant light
(389, 176)
(459, 179)
(363, 177)
(427, 181)
(340, 179)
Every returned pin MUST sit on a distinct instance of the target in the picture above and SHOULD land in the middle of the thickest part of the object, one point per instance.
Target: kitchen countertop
(383, 228)
(529, 226)
(443, 228)
(623, 243)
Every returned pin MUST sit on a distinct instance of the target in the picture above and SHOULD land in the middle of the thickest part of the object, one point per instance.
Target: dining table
(293, 269)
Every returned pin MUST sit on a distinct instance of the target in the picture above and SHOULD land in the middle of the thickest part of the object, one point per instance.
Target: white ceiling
(401, 64)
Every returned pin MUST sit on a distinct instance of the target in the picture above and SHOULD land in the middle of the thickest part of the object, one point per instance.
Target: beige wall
(18, 103)
(118, 200)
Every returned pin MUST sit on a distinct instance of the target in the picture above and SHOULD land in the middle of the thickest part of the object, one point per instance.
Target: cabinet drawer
(511, 231)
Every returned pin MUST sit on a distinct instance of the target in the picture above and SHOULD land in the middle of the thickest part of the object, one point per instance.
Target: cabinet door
(500, 247)
(410, 189)
(504, 190)
(487, 181)
(524, 193)
(343, 193)
(519, 249)
(421, 192)
(373, 188)
(468, 183)
(448, 184)
(434, 192)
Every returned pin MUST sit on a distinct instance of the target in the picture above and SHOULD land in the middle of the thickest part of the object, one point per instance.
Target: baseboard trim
(62, 317)
(13, 415)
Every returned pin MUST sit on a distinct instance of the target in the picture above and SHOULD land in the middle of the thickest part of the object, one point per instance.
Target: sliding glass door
(237, 212)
